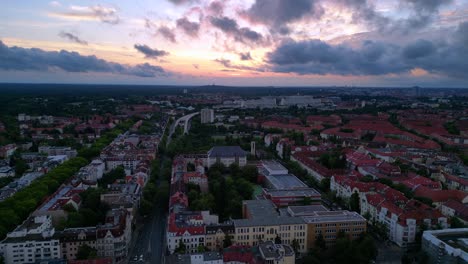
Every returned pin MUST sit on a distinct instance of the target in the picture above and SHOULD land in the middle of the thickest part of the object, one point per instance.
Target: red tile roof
(438, 196)
(461, 210)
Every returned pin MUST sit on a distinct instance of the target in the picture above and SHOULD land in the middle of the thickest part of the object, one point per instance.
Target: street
(149, 239)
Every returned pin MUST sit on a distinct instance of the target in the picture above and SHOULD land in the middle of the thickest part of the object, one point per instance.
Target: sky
(381, 43)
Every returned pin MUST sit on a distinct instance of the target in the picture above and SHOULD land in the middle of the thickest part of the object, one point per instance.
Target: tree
(277, 239)
(354, 202)
(181, 248)
(112, 176)
(86, 252)
(320, 242)
(295, 245)
(201, 248)
(325, 184)
(227, 242)
(456, 223)
(250, 173)
(306, 201)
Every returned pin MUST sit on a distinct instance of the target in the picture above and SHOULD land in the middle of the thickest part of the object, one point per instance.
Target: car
(135, 258)
(141, 257)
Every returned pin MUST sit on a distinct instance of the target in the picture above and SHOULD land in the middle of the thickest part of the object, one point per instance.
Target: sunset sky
(236, 42)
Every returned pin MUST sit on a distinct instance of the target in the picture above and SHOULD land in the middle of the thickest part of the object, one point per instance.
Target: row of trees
(14, 210)
(362, 250)
(228, 188)
(156, 192)
(91, 213)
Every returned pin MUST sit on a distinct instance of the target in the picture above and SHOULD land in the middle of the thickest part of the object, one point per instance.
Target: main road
(149, 243)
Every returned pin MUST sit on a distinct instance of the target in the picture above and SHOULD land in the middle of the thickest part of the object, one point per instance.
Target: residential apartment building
(269, 252)
(113, 238)
(217, 233)
(55, 151)
(446, 246)
(196, 258)
(188, 228)
(403, 218)
(93, 172)
(207, 116)
(31, 242)
(71, 239)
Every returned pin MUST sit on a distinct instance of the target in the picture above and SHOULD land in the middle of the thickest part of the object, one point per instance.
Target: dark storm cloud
(448, 57)
(150, 52)
(190, 28)
(245, 56)
(418, 49)
(280, 12)
(23, 59)
(317, 57)
(72, 37)
(167, 33)
(231, 28)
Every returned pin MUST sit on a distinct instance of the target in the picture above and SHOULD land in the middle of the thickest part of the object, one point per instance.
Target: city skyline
(255, 42)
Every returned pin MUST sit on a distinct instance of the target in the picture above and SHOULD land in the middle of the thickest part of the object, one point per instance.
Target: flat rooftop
(456, 238)
(45, 207)
(263, 213)
(306, 210)
(260, 208)
(272, 251)
(272, 167)
(305, 192)
(285, 181)
(333, 216)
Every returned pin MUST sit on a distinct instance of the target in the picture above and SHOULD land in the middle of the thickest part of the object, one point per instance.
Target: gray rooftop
(270, 251)
(287, 181)
(333, 216)
(271, 167)
(305, 192)
(226, 151)
(186, 258)
(305, 210)
(263, 213)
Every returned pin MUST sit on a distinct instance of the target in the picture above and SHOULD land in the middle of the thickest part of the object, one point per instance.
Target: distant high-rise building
(207, 116)
(185, 91)
(252, 148)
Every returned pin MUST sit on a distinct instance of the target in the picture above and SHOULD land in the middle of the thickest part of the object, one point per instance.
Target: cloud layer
(448, 57)
(101, 13)
(72, 37)
(22, 59)
(240, 34)
(150, 52)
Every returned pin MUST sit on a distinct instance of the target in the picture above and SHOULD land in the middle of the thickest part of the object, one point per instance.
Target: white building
(196, 258)
(207, 116)
(188, 228)
(94, 171)
(31, 242)
(300, 101)
(446, 246)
